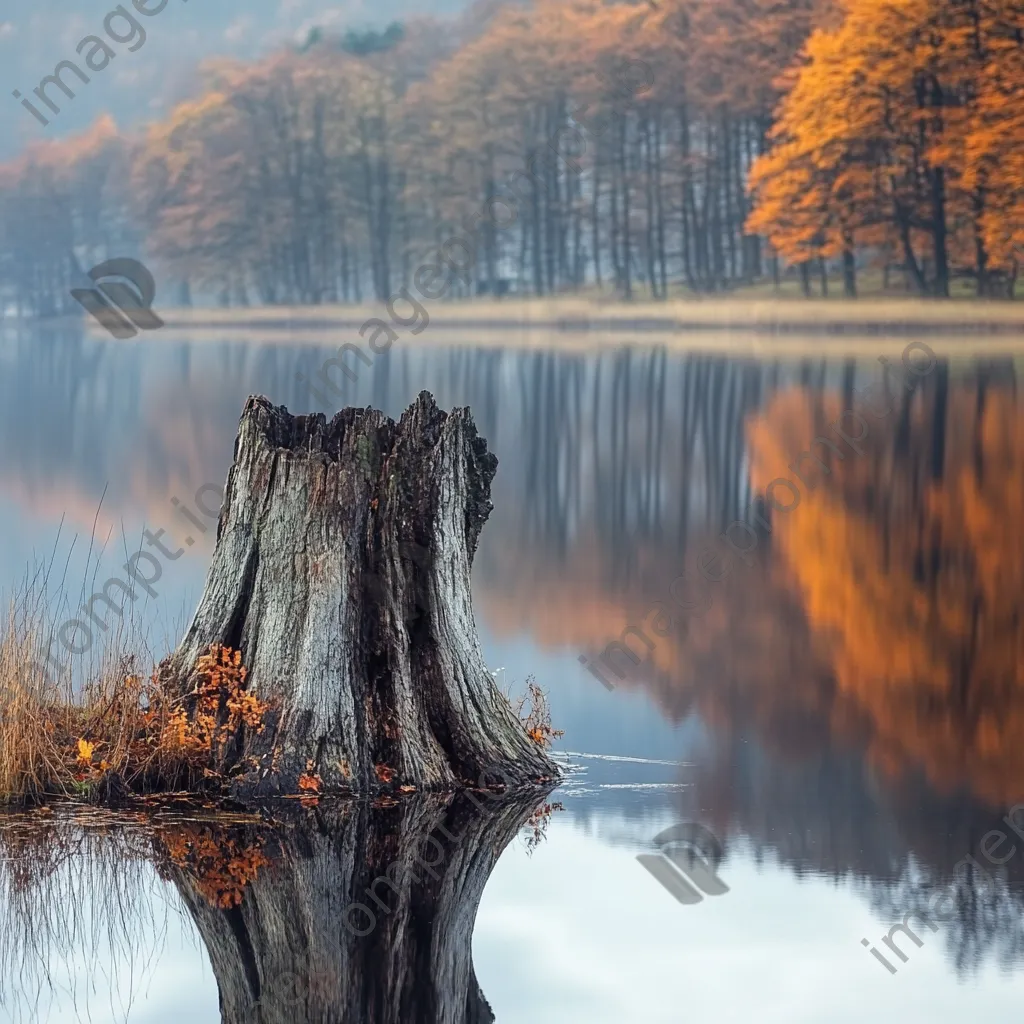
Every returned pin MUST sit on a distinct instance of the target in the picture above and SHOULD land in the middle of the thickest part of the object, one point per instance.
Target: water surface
(843, 711)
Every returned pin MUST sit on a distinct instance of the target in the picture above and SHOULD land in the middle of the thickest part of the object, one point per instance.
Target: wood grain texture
(342, 574)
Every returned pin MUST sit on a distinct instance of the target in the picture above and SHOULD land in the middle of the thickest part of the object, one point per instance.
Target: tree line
(772, 139)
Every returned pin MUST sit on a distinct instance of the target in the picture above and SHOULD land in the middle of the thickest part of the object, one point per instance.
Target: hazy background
(35, 36)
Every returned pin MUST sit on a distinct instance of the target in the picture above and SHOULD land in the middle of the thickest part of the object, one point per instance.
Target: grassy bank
(124, 734)
(734, 312)
(752, 327)
(120, 733)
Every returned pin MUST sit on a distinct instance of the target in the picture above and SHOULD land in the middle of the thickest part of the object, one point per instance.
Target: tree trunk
(940, 249)
(341, 573)
(362, 914)
(805, 278)
(849, 273)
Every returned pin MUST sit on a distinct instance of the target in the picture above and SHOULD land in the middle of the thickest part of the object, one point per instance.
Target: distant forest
(777, 140)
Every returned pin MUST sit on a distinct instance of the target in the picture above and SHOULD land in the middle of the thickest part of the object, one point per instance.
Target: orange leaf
(309, 782)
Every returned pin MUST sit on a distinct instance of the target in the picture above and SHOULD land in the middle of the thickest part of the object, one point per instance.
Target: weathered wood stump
(342, 574)
(363, 915)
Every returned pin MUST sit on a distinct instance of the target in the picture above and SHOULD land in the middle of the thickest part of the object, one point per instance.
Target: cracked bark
(342, 574)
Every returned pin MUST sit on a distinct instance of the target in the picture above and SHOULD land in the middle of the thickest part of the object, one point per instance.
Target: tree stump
(363, 915)
(342, 573)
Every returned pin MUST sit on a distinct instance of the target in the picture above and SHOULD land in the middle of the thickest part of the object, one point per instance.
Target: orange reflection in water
(908, 563)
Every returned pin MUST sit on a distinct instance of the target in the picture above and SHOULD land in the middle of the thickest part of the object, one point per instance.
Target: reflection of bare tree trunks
(905, 843)
(292, 952)
(341, 573)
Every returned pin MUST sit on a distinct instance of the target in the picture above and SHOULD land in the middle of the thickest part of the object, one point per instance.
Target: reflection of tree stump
(342, 572)
(298, 950)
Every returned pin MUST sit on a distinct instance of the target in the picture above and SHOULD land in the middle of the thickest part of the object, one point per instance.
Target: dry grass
(28, 702)
(121, 731)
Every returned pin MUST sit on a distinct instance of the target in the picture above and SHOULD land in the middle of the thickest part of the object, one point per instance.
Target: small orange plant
(202, 726)
(537, 721)
(180, 738)
(310, 783)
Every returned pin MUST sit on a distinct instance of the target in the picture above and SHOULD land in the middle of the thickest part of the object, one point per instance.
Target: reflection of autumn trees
(884, 609)
(907, 560)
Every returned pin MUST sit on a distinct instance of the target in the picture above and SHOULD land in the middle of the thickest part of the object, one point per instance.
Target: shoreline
(741, 327)
(897, 316)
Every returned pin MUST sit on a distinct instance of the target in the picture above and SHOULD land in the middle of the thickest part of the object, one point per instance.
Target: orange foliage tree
(903, 127)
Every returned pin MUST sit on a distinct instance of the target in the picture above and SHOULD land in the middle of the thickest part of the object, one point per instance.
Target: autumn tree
(872, 140)
(633, 149)
(60, 213)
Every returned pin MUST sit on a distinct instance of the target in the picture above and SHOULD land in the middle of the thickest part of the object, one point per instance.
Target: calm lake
(843, 709)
